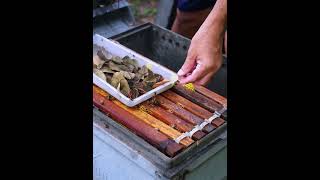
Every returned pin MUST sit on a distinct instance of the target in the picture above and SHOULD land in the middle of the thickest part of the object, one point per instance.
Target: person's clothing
(194, 5)
(190, 16)
(188, 23)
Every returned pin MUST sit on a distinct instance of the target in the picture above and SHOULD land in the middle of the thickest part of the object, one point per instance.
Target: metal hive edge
(110, 8)
(168, 166)
(163, 43)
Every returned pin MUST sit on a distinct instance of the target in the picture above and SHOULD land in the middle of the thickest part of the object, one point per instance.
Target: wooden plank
(182, 113)
(186, 104)
(218, 122)
(212, 95)
(171, 120)
(197, 98)
(152, 121)
(151, 135)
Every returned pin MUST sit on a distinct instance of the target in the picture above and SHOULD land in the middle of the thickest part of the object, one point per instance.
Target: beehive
(172, 121)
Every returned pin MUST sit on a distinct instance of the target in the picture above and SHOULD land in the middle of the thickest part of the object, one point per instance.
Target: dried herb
(134, 93)
(153, 101)
(103, 54)
(100, 74)
(107, 69)
(98, 62)
(159, 83)
(125, 74)
(117, 60)
(116, 78)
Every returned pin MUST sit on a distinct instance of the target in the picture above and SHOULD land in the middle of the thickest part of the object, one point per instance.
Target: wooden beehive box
(171, 121)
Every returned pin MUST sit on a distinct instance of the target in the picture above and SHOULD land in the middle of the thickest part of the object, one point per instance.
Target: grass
(149, 12)
(144, 8)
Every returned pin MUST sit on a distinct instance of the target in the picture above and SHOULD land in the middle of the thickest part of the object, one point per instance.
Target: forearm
(216, 23)
(205, 51)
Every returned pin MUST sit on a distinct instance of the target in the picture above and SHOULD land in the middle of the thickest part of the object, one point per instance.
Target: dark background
(47, 81)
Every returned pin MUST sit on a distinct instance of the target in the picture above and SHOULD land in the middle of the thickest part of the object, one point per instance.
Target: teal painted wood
(214, 168)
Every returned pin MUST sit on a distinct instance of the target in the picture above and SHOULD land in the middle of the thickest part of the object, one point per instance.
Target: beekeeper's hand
(203, 60)
(204, 56)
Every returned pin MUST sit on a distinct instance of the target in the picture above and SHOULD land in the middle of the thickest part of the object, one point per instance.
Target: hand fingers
(205, 80)
(201, 75)
(196, 74)
(188, 65)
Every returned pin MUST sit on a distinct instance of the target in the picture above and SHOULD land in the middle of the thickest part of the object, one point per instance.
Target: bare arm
(205, 52)
(216, 22)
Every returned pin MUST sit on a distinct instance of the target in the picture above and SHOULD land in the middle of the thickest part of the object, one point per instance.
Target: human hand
(204, 58)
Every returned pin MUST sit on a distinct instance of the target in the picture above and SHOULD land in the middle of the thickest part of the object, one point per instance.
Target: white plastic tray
(119, 50)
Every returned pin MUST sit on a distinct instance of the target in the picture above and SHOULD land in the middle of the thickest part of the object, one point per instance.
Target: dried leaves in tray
(124, 74)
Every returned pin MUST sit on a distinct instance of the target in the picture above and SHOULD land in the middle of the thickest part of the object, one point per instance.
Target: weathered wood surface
(197, 98)
(218, 122)
(151, 135)
(188, 105)
(178, 111)
(171, 119)
(152, 121)
(182, 113)
(212, 95)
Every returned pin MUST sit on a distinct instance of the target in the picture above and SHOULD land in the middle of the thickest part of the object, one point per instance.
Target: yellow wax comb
(189, 86)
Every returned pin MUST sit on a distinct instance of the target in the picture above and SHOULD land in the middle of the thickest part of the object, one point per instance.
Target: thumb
(188, 65)
(196, 74)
